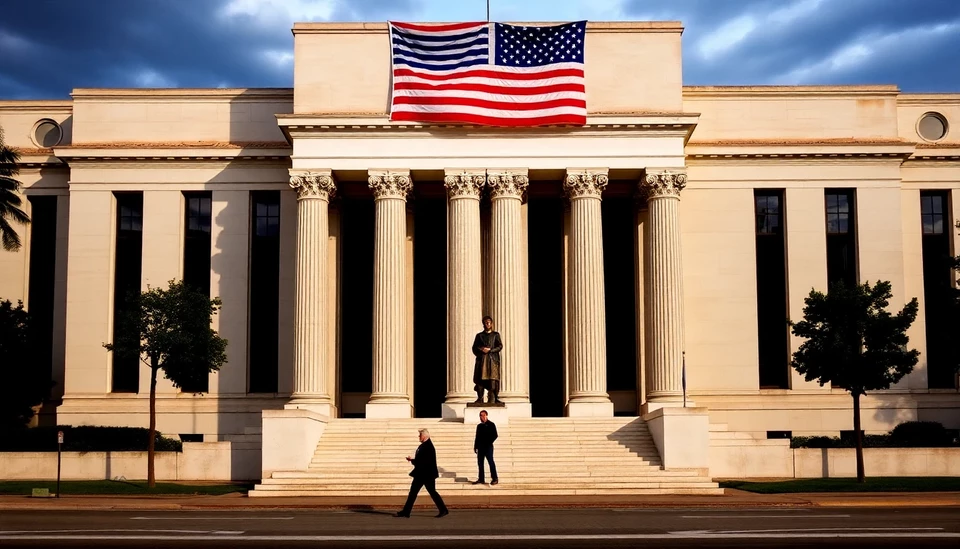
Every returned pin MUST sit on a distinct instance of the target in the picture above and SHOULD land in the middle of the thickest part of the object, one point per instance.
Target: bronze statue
(486, 374)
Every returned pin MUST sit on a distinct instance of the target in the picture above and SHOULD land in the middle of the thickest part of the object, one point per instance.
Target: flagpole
(488, 11)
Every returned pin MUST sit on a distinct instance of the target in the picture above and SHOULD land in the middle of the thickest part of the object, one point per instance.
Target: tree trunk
(857, 432)
(152, 436)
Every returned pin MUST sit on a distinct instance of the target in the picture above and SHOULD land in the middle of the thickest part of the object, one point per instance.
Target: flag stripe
(481, 120)
(436, 27)
(493, 96)
(486, 104)
(508, 90)
(488, 74)
(433, 48)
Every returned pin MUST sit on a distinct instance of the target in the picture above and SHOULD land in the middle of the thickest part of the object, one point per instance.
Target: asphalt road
(500, 529)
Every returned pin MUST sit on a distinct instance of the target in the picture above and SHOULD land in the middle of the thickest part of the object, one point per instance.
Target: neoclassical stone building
(355, 257)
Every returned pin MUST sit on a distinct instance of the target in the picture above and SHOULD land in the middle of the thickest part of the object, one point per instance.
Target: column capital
(390, 184)
(662, 184)
(508, 183)
(319, 185)
(464, 183)
(585, 183)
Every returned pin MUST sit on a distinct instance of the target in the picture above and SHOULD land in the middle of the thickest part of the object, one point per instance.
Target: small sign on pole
(59, 448)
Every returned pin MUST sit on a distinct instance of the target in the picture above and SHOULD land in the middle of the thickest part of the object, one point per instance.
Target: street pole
(59, 449)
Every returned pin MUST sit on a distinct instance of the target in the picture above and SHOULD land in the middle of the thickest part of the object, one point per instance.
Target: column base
(381, 410)
(322, 408)
(590, 409)
(653, 405)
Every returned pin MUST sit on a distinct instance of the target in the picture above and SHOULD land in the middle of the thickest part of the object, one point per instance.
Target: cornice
(928, 99)
(592, 27)
(379, 125)
(182, 94)
(734, 92)
(180, 151)
(38, 106)
(843, 148)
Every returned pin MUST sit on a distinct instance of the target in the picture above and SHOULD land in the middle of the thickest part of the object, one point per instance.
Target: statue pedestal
(469, 412)
(497, 413)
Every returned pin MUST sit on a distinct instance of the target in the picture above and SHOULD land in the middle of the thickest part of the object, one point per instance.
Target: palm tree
(10, 200)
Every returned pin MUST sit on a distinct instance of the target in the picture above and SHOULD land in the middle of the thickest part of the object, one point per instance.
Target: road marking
(527, 537)
(758, 516)
(139, 530)
(785, 530)
(212, 518)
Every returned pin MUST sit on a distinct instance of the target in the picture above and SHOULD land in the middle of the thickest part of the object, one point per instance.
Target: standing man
(483, 447)
(486, 373)
(424, 473)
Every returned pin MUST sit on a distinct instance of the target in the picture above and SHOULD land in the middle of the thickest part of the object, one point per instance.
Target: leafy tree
(170, 331)
(10, 200)
(853, 342)
(22, 384)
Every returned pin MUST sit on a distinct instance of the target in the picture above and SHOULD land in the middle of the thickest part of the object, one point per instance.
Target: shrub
(919, 434)
(84, 439)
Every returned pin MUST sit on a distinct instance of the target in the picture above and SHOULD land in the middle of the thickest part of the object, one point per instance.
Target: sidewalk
(238, 502)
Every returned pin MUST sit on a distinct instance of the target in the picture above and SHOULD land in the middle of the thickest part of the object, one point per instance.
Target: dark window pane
(126, 284)
(773, 331)
(264, 292)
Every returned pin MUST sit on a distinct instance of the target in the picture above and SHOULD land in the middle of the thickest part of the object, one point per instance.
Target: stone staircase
(534, 456)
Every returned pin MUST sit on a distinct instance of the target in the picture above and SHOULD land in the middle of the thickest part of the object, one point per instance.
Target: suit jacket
(425, 461)
(486, 435)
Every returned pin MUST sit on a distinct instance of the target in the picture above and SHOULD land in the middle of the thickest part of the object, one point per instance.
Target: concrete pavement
(731, 498)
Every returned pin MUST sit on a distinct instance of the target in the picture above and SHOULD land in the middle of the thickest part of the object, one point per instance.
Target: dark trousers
(488, 454)
(415, 486)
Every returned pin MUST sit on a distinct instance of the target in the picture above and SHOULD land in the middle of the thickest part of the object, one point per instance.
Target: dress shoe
(442, 514)
(477, 482)
(494, 483)
(402, 514)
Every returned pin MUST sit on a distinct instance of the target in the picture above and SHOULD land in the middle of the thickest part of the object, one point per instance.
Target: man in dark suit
(483, 447)
(424, 473)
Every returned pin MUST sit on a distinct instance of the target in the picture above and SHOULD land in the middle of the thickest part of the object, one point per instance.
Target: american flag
(490, 74)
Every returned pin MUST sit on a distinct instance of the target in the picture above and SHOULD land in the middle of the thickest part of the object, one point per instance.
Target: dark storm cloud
(912, 43)
(51, 46)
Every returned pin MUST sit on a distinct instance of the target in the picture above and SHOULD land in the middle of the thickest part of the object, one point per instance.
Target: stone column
(587, 344)
(509, 296)
(311, 388)
(664, 293)
(464, 290)
(389, 397)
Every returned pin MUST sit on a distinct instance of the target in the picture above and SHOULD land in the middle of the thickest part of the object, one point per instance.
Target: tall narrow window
(43, 261)
(771, 290)
(841, 237)
(196, 242)
(126, 283)
(264, 290)
(196, 254)
(937, 286)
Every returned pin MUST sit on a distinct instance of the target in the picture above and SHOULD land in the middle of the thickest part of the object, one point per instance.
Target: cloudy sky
(49, 47)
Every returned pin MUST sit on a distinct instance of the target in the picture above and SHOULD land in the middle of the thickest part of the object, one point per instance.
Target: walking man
(424, 473)
(483, 447)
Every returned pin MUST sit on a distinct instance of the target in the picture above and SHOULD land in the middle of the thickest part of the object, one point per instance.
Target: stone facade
(687, 160)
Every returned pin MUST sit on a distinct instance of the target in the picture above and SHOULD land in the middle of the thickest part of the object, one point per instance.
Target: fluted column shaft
(464, 291)
(389, 397)
(310, 387)
(665, 294)
(509, 303)
(588, 347)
